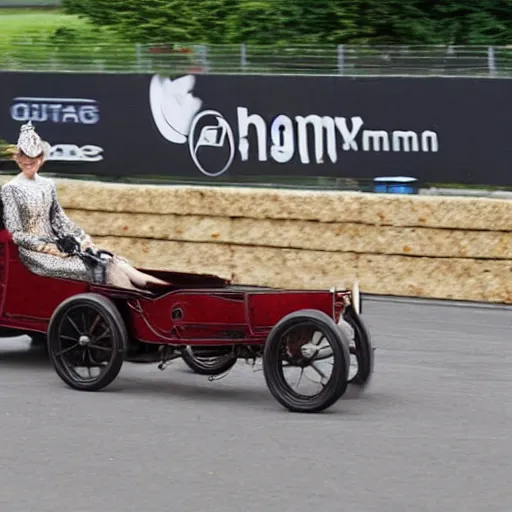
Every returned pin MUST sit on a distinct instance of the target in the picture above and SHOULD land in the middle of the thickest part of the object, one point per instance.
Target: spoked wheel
(306, 347)
(361, 349)
(87, 340)
(208, 365)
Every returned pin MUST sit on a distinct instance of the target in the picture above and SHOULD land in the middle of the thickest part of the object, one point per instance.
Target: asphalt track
(432, 433)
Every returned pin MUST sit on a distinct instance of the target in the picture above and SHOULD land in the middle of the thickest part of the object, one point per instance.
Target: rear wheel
(361, 349)
(208, 365)
(310, 344)
(87, 333)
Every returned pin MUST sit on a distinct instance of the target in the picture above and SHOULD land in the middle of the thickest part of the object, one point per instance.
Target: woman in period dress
(34, 217)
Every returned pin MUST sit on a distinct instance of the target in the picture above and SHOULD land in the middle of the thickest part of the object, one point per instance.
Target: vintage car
(90, 330)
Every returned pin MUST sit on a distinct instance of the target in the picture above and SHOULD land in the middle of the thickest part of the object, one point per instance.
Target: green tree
(155, 21)
(394, 22)
(478, 22)
(99, 12)
(302, 21)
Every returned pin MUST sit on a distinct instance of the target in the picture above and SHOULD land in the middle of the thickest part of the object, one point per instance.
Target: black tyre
(39, 341)
(363, 349)
(87, 331)
(291, 343)
(204, 365)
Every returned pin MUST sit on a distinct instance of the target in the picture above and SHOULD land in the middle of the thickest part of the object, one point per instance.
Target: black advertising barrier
(217, 127)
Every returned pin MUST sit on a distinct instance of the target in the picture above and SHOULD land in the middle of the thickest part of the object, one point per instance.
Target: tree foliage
(302, 21)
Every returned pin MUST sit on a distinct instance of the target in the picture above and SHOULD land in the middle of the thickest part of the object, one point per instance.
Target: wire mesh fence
(29, 52)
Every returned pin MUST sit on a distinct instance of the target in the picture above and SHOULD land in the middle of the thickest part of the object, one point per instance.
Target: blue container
(395, 185)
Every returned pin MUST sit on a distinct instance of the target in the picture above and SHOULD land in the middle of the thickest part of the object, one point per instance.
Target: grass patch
(17, 22)
(49, 39)
(36, 40)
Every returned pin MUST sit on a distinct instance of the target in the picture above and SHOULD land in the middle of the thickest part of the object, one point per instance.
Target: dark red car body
(197, 317)
(197, 310)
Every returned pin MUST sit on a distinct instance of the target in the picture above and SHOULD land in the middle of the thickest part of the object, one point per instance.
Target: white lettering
(89, 114)
(402, 141)
(349, 136)
(20, 112)
(283, 140)
(319, 124)
(434, 143)
(376, 137)
(323, 133)
(41, 110)
(73, 153)
(69, 114)
(244, 121)
(51, 112)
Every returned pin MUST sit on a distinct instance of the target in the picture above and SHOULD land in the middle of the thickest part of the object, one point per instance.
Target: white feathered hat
(31, 144)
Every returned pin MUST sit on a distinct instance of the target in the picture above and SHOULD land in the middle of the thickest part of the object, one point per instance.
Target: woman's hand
(87, 244)
(53, 251)
(56, 252)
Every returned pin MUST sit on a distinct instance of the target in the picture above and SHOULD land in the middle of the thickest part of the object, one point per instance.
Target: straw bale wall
(421, 246)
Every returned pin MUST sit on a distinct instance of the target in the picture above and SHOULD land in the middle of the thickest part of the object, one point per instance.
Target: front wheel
(312, 346)
(87, 333)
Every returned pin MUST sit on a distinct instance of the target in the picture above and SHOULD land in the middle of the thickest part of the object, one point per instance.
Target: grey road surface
(432, 433)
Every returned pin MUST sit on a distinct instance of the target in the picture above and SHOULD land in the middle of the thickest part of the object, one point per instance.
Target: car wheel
(87, 331)
(295, 343)
(203, 365)
(362, 348)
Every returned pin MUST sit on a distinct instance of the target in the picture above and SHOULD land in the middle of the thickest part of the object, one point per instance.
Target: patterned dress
(33, 216)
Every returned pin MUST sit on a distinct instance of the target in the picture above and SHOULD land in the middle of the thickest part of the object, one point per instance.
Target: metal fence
(32, 53)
